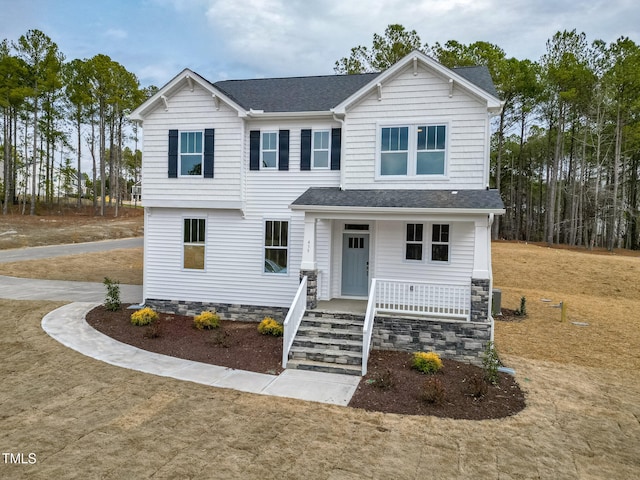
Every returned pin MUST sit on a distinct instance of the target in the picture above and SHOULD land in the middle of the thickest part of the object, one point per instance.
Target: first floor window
(439, 243)
(191, 152)
(269, 150)
(414, 241)
(194, 241)
(276, 246)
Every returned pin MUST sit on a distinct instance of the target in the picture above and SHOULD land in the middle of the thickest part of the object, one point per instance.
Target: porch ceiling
(387, 200)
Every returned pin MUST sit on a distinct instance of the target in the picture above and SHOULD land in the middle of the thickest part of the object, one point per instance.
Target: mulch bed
(390, 385)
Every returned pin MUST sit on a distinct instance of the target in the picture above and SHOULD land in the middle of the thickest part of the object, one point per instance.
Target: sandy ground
(85, 419)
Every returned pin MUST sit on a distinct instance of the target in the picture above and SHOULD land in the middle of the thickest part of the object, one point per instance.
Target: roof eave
(262, 114)
(336, 209)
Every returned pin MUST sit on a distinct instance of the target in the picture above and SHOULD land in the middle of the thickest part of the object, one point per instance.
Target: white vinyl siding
(417, 100)
(190, 112)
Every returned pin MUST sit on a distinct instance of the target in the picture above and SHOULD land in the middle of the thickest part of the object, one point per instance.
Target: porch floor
(343, 305)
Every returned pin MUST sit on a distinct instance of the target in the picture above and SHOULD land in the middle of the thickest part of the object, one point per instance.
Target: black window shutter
(209, 143)
(336, 144)
(283, 150)
(305, 150)
(254, 150)
(173, 153)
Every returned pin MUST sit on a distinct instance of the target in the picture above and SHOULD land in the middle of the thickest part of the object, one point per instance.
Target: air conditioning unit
(496, 303)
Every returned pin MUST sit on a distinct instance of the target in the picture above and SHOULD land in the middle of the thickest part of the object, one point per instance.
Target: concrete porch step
(333, 323)
(329, 343)
(328, 332)
(325, 367)
(328, 355)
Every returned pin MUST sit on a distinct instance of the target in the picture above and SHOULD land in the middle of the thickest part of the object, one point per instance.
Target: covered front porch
(402, 259)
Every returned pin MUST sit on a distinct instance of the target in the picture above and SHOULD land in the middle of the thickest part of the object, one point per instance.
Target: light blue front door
(355, 264)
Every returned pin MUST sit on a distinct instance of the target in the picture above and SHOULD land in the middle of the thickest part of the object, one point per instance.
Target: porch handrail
(424, 298)
(293, 319)
(367, 328)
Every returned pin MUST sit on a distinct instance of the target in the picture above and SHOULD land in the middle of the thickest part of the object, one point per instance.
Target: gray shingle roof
(317, 94)
(431, 199)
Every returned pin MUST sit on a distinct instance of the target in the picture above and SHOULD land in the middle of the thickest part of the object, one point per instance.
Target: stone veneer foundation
(227, 311)
(312, 287)
(454, 339)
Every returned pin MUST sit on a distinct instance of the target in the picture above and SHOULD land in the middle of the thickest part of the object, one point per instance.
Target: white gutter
(397, 210)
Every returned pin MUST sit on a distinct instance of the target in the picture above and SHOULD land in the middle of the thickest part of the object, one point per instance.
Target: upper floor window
(413, 150)
(269, 150)
(321, 149)
(191, 154)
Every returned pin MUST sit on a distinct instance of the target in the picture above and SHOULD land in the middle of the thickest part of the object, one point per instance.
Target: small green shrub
(433, 391)
(522, 311)
(490, 363)
(270, 326)
(427, 362)
(206, 321)
(112, 300)
(144, 316)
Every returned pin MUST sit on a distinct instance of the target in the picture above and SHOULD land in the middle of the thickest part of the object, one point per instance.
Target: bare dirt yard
(85, 419)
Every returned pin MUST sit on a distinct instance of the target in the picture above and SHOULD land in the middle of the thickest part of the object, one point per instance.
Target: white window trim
(264, 247)
(180, 175)
(432, 242)
(407, 242)
(412, 160)
(204, 244)
(313, 149)
(276, 149)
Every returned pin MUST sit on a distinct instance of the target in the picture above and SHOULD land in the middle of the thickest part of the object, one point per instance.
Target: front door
(355, 264)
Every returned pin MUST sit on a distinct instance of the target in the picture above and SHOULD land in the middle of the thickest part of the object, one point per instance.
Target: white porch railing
(413, 298)
(293, 319)
(423, 298)
(367, 328)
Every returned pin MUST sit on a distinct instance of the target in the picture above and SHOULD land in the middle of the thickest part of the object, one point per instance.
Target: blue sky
(221, 39)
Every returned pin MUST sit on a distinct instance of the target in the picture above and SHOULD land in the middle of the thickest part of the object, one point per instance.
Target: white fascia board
(493, 104)
(392, 212)
(289, 115)
(212, 205)
(184, 79)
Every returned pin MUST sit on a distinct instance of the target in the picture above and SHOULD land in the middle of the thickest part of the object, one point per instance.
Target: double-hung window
(194, 242)
(191, 154)
(413, 150)
(321, 148)
(414, 245)
(276, 246)
(439, 242)
(269, 150)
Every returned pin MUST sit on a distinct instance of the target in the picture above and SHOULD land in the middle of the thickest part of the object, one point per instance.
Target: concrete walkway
(68, 326)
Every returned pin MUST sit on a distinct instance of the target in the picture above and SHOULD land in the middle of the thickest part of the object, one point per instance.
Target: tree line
(52, 108)
(565, 152)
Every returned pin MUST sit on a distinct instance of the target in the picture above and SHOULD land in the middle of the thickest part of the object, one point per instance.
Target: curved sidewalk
(68, 326)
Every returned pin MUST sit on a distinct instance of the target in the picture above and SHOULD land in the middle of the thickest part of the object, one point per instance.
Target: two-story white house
(273, 196)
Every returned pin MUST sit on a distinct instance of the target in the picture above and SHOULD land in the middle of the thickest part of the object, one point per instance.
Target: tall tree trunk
(553, 176)
(612, 230)
(32, 210)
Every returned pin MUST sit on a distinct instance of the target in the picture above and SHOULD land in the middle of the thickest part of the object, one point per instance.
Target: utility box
(496, 302)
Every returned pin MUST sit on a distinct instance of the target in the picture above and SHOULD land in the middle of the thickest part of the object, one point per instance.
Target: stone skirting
(480, 300)
(227, 311)
(456, 340)
(312, 287)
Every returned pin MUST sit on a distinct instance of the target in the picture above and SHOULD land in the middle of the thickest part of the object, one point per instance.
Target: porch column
(309, 266)
(481, 275)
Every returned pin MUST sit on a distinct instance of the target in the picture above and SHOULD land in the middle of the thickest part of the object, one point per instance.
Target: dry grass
(87, 419)
(603, 291)
(124, 265)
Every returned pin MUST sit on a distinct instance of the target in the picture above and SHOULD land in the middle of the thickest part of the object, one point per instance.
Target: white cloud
(116, 33)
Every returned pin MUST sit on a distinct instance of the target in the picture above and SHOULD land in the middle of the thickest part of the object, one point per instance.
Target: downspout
(341, 121)
(491, 218)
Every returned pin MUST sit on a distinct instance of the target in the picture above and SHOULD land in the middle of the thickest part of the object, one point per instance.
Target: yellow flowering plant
(427, 362)
(206, 320)
(270, 326)
(144, 316)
